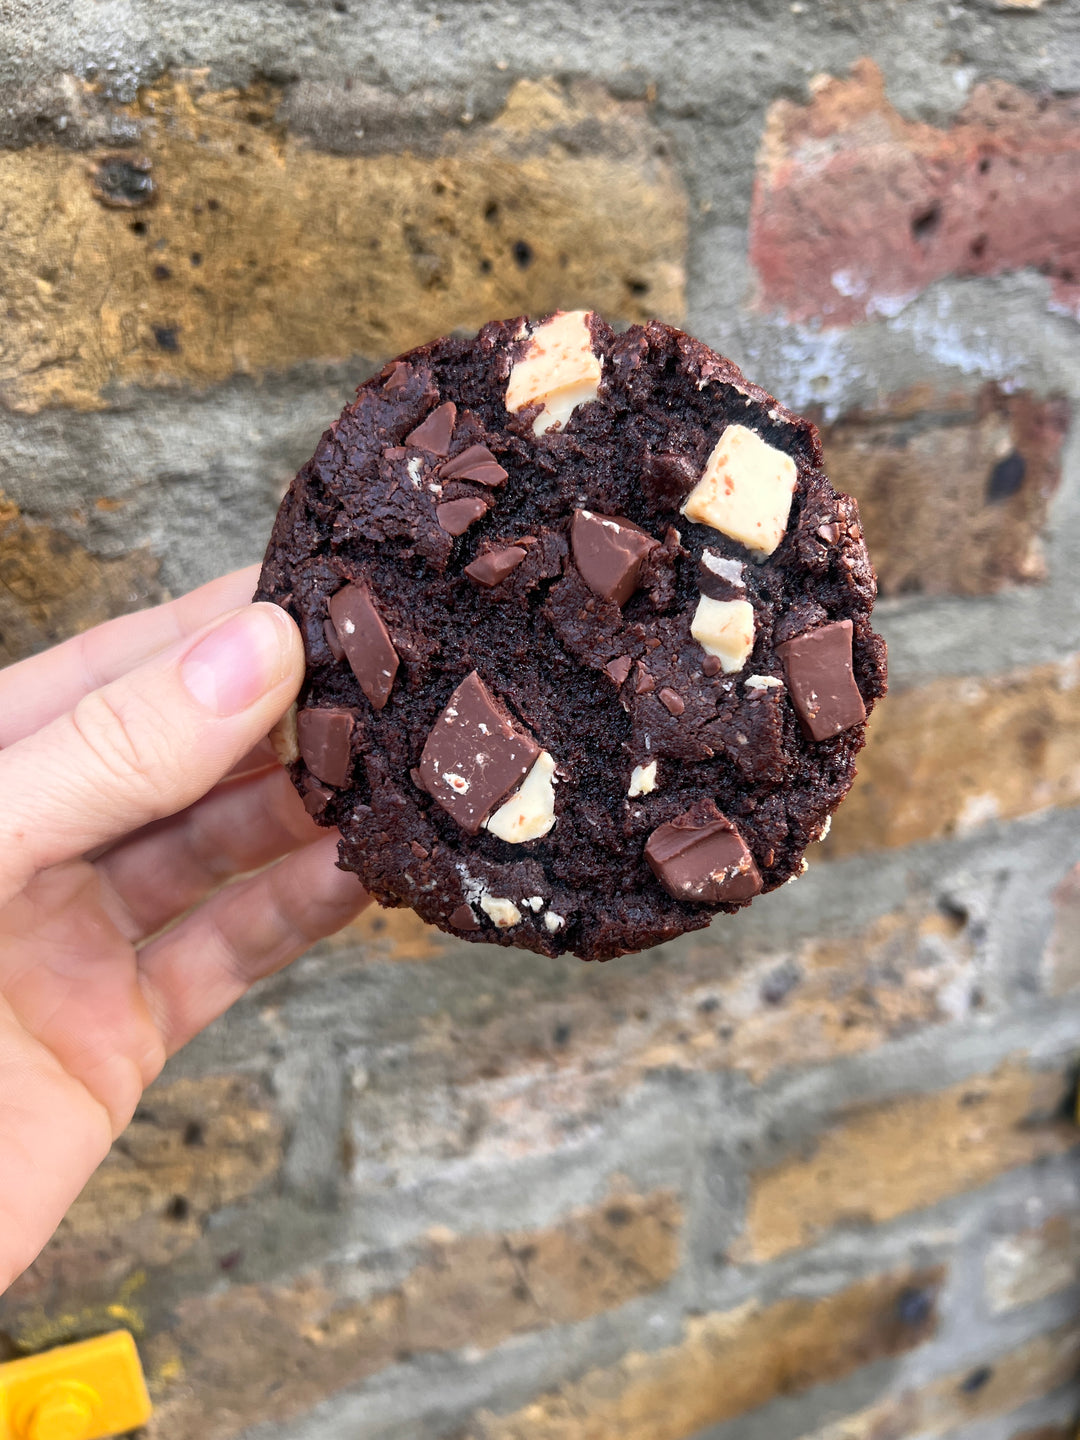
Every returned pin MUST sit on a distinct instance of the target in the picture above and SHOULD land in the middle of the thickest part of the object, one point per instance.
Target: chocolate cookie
(588, 635)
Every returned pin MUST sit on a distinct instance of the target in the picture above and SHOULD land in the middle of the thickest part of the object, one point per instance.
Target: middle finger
(242, 824)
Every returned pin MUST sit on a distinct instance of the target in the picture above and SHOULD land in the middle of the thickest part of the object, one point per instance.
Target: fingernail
(236, 664)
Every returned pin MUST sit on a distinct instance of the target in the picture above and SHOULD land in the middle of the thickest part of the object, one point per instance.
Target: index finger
(33, 692)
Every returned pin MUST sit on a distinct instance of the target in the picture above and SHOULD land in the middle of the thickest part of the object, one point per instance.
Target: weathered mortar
(808, 1176)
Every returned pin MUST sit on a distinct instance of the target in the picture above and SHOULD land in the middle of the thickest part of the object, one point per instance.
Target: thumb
(148, 744)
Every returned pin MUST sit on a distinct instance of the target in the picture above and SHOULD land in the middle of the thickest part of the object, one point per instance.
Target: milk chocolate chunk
(608, 553)
(672, 701)
(474, 755)
(820, 681)
(398, 377)
(316, 798)
(619, 668)
(476, 463)
(494, 566)
(366, 642)
(705, 862)
(435, 433)
(333, 641)
(326, 744)
(455, 516)
(464, 919)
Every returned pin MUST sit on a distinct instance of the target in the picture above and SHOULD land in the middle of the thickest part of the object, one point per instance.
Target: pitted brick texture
(856, 210)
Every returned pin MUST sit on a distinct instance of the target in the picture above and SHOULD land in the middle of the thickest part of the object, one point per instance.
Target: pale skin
(155, 862)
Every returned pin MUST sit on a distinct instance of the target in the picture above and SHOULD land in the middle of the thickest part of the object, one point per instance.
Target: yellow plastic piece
(76, 1392)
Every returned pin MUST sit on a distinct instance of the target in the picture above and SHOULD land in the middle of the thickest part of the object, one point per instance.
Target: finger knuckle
(115, 738)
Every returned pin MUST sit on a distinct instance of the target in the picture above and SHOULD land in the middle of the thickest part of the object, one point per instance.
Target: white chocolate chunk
(558, 370)
(285, 739)
(642, 779)
(553, 922)
(530, 813)
(763, 682)
(534, 902)
(745, 491)
(725, 628)
(729, 570)
(502, 913)
(823, 832)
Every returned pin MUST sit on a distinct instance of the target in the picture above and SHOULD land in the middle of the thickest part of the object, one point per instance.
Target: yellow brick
(905, 1154)
(51, 588)
(303, 255)
(1032, 1370)
(256, 1353)
(1020, 1269)
(193, 1147)
(943, 758)
(726, 1364)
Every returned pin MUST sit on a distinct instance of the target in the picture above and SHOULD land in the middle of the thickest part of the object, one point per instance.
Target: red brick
(856, 209)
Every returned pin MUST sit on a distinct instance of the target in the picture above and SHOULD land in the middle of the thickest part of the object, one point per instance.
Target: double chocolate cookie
(588, 635)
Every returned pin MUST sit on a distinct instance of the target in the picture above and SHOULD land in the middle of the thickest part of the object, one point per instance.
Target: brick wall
(810, 1175)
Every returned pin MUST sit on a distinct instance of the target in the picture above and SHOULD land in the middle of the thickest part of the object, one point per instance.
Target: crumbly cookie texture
(588, 635)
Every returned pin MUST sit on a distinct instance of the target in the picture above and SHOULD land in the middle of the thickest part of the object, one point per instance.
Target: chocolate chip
(711, 665)
(333, 641)
(830, 533)
(644, 684)
(434, 433)
(702, 861)
(464, 919)
(325, 738)
(819, 678)
(474, 755)
(619, 668)
(316, 799)
(672, 701)
(366, 642)
(476, 463)
(418, 850)
(455, 516)
(668, 478)
(398, 377)
(494, 566)
(608, 552)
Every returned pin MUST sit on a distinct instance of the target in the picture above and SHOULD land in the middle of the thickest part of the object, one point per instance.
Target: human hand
(135, 781)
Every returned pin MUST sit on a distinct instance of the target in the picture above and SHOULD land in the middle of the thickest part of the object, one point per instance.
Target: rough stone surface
(254, 240)
(952, 755)
(953, 491)
(464, 1292)
(857, 209)
(729, 1363)
(322, 1221)
(905, 1154)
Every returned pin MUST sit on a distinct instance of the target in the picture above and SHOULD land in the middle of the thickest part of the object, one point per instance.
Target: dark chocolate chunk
(332, 640)
(474, 755)
(820, 681)
(619, 668)
(702, 861)
(455, 516)
(366, 642)
(476, 463)
(668, 478)
(434, 433)
(672, 701)
(316, 799)
(495, 565)
(464, 919)
(608, 553)
(325, 738)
